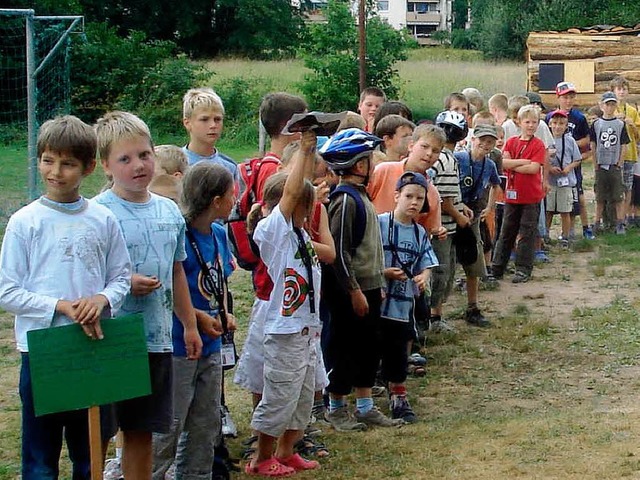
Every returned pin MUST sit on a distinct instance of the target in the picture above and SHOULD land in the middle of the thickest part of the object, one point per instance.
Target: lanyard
(208, 279)
(405, 267)
(561, 159)
(308, 265)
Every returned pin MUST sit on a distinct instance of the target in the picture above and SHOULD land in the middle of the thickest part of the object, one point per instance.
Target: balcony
(431, 17)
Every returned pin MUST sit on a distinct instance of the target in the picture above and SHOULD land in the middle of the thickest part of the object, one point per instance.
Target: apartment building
(420, 17)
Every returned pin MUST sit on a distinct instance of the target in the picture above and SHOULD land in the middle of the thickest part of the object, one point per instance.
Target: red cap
(559, 113)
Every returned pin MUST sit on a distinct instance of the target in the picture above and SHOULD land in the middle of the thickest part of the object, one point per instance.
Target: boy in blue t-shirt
(154, 231)
(479, 181)
(408, 256)
(203, 118)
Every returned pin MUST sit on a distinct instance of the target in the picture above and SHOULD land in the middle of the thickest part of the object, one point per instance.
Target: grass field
(550, 392)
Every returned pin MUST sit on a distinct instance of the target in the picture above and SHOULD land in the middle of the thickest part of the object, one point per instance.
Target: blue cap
(412, 178)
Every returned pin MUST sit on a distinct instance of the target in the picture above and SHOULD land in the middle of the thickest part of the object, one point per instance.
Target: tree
(331, 52)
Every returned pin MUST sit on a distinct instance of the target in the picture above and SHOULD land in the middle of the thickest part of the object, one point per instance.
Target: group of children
(358, 237)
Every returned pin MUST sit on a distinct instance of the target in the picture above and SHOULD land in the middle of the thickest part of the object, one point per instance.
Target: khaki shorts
(560, 199)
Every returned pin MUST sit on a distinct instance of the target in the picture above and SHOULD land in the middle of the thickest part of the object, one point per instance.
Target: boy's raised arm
(303, 163)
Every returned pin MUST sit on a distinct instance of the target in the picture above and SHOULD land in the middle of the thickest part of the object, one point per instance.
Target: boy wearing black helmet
(354, 291)
(454, 214)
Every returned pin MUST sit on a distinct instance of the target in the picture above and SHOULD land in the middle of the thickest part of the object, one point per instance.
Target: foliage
(331, 52)
(157, 97)
(259, 28)
(132, 73)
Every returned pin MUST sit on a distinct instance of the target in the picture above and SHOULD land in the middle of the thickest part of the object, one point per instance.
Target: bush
(331, 51)
(157, 97)
(242, 97)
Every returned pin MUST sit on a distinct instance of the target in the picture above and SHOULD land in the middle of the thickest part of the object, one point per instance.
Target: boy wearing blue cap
(408, 256)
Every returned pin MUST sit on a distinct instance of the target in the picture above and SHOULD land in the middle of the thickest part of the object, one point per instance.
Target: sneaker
(587, 233)
(620, 229)
(400, 408)
(317, 412)
(417, 359)
(564, 242)
(378, 391)
(520, 277)
(599, 228)
(441, 326)
(473, 316)
(375, 417)
(541, 257)
(343, 421)
(229, 428)
(112, 469)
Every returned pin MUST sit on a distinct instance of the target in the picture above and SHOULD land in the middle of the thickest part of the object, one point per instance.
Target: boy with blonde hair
(203, 117)
(88, 271)
(629, 115)
(154, 230)
(171, 165)
(498, 106)
(523, 158)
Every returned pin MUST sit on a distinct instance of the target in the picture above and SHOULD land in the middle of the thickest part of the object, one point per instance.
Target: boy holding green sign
(63, 261)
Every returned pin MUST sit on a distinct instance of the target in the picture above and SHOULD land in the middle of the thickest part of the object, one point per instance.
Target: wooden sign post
(70, 371)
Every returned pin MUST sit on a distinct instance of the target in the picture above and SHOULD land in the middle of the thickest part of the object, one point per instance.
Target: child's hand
(322, 192)
(484, 213)
(556, 170)
(208, 325)
(142, 285)
(440, 233)
(231, 322)
(193, 343)
(394, 273)
(88, 310)
(467, 212)
(421, 281)
(65, 307)
(308, 142)
(359, 303)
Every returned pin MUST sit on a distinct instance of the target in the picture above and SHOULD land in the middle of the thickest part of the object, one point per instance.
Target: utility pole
(362, 37)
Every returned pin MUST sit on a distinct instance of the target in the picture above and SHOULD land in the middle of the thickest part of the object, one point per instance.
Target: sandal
(416, 370)
(310, 447)
(298, 463)
(269, 468)
(250, 445)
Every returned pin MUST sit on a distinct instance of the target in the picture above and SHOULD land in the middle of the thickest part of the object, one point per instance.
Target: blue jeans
(42, 437)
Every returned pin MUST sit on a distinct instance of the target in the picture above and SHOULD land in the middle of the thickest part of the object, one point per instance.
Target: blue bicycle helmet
(453, 124)
(345, 148)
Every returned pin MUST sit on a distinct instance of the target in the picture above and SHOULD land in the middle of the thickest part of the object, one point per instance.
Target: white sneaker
(229, 428)
(112, 469)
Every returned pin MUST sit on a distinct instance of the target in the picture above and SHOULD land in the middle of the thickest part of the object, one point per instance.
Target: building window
(420, 7)
(383, 6)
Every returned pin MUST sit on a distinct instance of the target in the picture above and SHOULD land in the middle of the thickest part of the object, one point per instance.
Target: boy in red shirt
(523, 158)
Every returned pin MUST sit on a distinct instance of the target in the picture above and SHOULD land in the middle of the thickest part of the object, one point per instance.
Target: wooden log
(572, 47)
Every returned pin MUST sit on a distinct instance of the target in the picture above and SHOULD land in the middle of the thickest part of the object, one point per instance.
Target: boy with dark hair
(408, 257)
(395, 132)
(87, 277)
(609, 141)
(154, 230)
(371, 98)
(393, 107)
(354, 294)
(578, 128)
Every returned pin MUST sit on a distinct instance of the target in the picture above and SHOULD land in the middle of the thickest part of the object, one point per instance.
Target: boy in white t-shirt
(292, 325)
(63, 261)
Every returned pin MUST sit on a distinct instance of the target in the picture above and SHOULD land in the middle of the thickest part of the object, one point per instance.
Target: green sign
(70, 371)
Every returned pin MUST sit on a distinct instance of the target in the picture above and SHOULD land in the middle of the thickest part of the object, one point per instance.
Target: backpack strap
(361, 212)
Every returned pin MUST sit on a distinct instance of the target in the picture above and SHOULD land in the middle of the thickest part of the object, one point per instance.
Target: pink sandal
(298, 463)
(269, 468)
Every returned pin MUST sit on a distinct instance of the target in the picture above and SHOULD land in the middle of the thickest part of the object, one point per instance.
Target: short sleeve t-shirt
(290, 308)
(412, 249)
(217, 158)
(444, 174)
(214, 248)
(567, 152)
(154, 234)
(609, 135)
(476, 176)
(523, 188)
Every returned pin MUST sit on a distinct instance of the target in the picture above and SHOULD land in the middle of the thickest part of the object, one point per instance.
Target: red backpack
(242, 245)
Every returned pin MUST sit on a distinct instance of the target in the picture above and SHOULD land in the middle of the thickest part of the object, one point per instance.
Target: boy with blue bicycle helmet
(353, 286)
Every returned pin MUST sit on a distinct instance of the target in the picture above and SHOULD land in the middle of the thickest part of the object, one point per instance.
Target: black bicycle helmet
(454, 126)
(345, 148)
